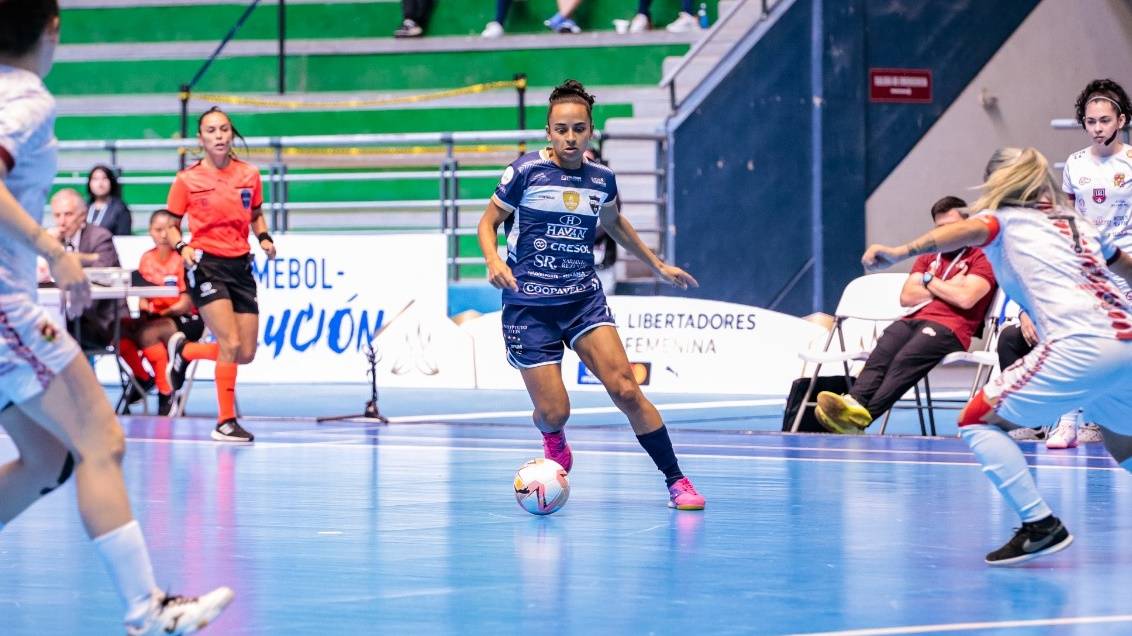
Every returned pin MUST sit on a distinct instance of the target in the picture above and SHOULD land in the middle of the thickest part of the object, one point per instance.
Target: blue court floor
(412, 528)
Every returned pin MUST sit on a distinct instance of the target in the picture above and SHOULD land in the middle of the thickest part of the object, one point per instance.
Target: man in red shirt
(955, 290)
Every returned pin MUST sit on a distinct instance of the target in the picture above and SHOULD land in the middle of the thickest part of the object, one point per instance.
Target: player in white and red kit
(1052, 261)
(1098, 182)
(51, 405)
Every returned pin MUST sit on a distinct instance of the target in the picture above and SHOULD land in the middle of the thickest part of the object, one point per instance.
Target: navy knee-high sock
(659, 447)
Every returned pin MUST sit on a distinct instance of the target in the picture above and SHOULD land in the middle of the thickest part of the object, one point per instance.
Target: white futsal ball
(541, 486)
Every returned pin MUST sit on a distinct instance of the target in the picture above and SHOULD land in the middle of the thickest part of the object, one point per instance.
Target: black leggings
(416, 10)
(904, 354)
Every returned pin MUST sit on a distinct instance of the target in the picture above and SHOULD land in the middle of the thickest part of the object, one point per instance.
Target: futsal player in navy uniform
(550, 203)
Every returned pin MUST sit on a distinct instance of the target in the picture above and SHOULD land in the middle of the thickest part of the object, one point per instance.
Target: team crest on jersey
(595, 203)
(1099, 195)
(571, 200)
(1118, 179)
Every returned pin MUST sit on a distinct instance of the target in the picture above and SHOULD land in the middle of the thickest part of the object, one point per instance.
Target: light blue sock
(1126, 465)
(1006, 467)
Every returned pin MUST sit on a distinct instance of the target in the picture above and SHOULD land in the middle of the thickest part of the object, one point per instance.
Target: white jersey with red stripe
(27, 149)
(1102, 191)
(1053, 263)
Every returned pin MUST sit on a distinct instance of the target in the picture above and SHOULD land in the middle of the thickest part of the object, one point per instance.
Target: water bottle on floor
(702, 13)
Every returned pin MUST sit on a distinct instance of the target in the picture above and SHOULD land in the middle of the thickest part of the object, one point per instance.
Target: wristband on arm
(264, 236)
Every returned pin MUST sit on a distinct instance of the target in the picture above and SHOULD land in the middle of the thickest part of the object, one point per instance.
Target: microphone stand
(371, 414)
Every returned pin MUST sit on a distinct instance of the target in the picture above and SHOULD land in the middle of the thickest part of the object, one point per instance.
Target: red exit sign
(907, 85)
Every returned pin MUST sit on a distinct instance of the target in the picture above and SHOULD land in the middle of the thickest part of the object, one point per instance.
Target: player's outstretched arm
(946, 238)
(1122, 266)
(621, 231)
(498, 273)
(66, 267)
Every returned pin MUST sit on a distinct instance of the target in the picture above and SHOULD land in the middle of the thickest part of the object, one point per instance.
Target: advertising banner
(325, 296)
(676, 344)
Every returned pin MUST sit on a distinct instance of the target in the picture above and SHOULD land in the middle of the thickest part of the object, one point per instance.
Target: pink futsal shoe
(683, 496)
(555, 448)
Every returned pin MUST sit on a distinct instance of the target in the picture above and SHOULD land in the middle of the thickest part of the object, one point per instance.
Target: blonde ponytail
(1023, 181)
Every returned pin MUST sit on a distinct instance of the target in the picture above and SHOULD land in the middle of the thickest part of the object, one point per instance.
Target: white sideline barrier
(325, 294)
(323, 297)
(681, 345)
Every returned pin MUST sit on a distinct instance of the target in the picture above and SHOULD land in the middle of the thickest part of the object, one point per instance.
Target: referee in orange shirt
(222, 197)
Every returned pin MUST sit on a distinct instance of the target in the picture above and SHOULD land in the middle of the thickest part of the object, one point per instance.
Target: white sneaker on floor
(1089, 434)
(639, 24)
(492, 30)
(683, 23)
(1064, 434)
(182, 614)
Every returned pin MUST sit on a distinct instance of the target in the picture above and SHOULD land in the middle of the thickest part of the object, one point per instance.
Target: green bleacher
(142, 80)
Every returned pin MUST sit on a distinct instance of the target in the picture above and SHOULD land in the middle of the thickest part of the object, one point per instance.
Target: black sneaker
(175, 371)
(1031, 541)
(408, 29)
(164, 404)
(135, 394)
(231, 431)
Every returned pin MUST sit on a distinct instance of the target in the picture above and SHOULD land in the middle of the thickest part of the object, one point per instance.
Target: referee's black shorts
(217, 277)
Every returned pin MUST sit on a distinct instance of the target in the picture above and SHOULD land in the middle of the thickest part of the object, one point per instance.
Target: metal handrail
(449, 203)
(668, 79)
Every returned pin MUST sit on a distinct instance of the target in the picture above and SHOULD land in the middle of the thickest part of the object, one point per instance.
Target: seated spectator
(415, 14)
(105, 207)
(684, 22)
(561, 22)
(159, 318)
(1014, 342)
(956, 290)
(96, 325)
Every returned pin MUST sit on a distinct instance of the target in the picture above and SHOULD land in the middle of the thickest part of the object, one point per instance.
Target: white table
(50, 297)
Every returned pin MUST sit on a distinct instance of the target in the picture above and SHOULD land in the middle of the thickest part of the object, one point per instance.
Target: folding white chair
(868, 305)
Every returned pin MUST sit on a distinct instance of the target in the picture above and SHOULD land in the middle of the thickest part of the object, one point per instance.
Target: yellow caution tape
(294, 104)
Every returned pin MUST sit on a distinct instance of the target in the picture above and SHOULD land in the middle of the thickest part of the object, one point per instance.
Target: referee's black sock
(659, 447)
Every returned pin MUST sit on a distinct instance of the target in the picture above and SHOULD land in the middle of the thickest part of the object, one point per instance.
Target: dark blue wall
(743, 178)
(742, 194)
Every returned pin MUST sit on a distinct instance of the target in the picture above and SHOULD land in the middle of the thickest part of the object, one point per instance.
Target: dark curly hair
(1109, 91)
(571, 91)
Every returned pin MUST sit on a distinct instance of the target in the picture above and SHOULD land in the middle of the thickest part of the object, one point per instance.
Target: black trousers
(417, 10)
(1011, 346)
(904, 354)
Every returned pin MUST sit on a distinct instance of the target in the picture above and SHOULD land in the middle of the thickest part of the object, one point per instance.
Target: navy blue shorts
(535, 334)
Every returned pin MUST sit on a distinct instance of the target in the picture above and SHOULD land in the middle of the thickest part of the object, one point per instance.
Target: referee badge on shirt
(1099, 195)
(246, 198)
(571, 200)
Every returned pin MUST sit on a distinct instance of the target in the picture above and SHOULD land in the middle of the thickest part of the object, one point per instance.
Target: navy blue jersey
(552, 227)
